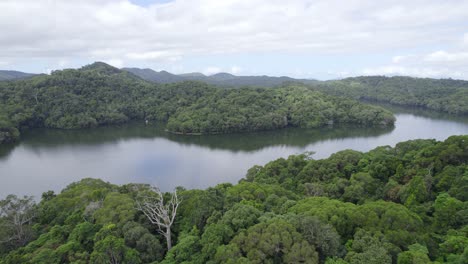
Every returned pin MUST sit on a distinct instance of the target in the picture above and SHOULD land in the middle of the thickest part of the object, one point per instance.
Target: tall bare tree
(16, 218)
(158, 212)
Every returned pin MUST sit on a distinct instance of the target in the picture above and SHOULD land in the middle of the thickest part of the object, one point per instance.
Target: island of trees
(99, 94)
(403, 204)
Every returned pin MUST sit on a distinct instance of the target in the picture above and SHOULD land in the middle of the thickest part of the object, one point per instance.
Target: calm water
(51, 159)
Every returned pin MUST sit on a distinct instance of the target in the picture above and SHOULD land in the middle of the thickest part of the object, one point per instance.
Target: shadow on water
(421, 111)
(5, 150)
(247, 142)
(295, 137)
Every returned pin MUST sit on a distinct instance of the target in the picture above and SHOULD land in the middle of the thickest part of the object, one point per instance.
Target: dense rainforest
(99, 94)
(445, 95)
(402, 204)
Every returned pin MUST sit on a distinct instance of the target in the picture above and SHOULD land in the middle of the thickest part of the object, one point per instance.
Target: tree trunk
(168, 238)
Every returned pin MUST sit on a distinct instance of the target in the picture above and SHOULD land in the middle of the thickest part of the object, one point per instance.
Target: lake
(48, 159)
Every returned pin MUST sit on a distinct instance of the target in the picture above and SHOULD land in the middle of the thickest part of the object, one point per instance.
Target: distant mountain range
(221, 79)
(14, 75)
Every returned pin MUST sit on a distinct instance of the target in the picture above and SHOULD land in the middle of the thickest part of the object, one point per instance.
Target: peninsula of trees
(444, 95)
(406, 204)
(99, 94)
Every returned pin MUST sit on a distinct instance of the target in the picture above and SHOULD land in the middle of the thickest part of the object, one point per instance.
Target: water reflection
(421, 111)
(246, 142)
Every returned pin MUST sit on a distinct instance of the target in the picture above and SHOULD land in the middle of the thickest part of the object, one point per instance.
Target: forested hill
(407, 204)
(99, 94)
(444, 95)
(14, 75)
(219, 79)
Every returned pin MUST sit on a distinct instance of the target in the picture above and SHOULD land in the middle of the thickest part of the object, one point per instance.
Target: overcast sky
(311, 39)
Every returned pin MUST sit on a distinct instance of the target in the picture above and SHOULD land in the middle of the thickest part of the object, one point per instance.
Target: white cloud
(63, 62)
(59, 27)
(438, 64)
(451, 63)
(235, 70)
(115, 62)
(211, 70)
(125, 33)
(153, 55)
(403, 58)
(444, 56)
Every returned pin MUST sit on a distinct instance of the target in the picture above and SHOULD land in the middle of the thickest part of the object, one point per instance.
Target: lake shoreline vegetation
(443, 95)
(401, 204)
(100, 95)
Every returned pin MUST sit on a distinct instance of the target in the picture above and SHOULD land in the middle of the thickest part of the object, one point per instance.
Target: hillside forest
(99, 94)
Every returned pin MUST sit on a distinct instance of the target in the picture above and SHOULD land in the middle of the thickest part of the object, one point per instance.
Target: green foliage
(186, 251)
(248, 109)
(273, 242)
(138, 237)
(109, 248)
(116, 208)
(322, 236)
(8, 132)
(368, 248)
(449, 212)
(416, 254)
(444, 95)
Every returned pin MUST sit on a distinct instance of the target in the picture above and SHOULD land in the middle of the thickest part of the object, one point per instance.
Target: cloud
(442, 56)
(437, 64)
(451, 63)
(235, 70)
(169, 32)
(403, 58)
(55, 28)
(411, 71)
(211, 70)
(115, 62)
(153, 55)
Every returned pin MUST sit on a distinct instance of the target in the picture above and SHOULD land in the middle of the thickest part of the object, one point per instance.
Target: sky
(321, 39)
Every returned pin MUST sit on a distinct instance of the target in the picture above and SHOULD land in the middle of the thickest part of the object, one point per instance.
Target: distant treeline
(407, 204)
(99, 94)
(445, 95)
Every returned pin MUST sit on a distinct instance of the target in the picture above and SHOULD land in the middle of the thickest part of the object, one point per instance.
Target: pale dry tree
(16, 219)
(159, 213)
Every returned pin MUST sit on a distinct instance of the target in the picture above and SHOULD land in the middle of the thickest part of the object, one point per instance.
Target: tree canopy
(445, 95)
(402, 204)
